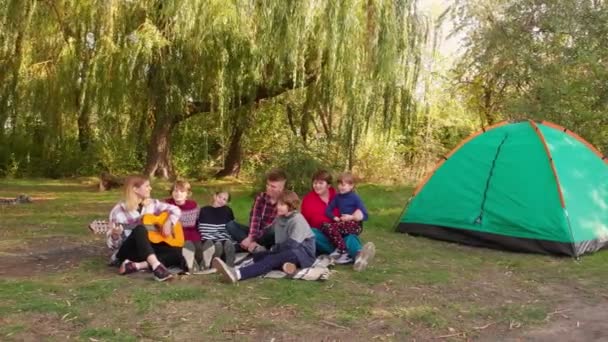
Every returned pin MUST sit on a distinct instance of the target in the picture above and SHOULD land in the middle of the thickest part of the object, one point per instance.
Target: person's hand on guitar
(167, 229)
(117, 230)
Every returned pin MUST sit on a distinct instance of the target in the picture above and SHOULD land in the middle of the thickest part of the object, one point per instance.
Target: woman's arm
(114, 236)
(174, 211)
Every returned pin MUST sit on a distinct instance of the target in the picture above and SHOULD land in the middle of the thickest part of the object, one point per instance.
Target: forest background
(209, 89)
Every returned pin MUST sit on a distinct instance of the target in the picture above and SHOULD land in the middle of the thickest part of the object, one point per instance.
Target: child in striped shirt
(211, 225)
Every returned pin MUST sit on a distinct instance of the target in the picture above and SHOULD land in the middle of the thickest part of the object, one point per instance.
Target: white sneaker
(344, 259)
(365, 256)
(335, 254)
(226, 272)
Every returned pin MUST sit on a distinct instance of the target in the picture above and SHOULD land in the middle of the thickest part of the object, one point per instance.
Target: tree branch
(261, 93)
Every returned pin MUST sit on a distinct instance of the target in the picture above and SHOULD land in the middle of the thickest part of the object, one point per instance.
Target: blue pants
(324, 246)
(265, 262)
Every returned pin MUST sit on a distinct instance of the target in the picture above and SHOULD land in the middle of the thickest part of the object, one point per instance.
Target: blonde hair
(181, 185)
(346, 177)
(130, 197)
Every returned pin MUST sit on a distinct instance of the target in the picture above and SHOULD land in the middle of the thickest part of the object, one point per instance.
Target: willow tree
(131, 71)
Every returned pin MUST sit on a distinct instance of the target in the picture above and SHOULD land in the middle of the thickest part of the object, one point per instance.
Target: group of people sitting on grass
(279, 235)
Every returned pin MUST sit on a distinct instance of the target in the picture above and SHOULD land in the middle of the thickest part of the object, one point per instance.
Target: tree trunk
(84, 124)
(232, 162)
(159, 151)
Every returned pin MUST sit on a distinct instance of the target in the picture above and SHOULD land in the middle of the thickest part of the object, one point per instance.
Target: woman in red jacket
(313, 209)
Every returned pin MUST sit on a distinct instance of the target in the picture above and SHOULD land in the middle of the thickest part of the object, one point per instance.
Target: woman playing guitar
(129, 237)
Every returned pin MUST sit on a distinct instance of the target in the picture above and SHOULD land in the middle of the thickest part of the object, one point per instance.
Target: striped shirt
(129, 219)
(212, 223)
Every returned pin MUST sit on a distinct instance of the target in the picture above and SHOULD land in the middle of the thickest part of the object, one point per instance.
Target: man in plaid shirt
(262, 214)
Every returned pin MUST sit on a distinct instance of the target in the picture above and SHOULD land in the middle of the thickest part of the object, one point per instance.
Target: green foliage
(298, 163)
(123, 86)
(540, 61)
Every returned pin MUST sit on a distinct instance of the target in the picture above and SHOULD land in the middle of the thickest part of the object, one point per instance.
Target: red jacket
(313, 208)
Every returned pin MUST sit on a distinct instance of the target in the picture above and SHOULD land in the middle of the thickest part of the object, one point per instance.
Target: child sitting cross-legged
(211, 223)
(294, 243)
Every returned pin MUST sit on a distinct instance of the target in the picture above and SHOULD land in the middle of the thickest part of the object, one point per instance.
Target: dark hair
(289, 198)
(322, 175)
(346, 177)
(222, 191)
(276, 175)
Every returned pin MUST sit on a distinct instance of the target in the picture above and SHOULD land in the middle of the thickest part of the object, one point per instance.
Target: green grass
(105, 334)
(415, 289)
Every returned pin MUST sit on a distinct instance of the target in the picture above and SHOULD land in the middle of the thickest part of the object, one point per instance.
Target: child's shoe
(343, 259)
(336, 254)
(365, 256)
(227, 273)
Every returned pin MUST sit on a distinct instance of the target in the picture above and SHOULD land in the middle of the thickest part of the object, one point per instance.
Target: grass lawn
(54, 284)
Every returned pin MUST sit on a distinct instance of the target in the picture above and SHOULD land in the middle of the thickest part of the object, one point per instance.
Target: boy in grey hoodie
(294, 243)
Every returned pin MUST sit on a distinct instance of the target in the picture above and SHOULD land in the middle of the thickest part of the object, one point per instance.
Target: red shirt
(313, 208)
(188, 218)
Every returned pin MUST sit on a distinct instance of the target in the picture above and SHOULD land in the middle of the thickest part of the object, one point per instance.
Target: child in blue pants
(294, 243)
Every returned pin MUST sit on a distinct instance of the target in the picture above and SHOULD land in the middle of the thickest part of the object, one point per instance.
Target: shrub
(298, 163)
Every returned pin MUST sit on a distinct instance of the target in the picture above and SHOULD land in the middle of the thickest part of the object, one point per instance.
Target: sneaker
(227, 273)
(127, 267)
(188, 253)
(161, 273)
(365, 256)
(343, 259)
(289, 268)
(208, 252)
(229, 253)
(336, 253)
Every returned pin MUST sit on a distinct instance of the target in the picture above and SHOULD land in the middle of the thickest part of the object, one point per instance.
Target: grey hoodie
(293, 232)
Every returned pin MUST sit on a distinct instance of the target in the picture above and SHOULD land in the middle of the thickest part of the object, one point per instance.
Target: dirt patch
(49, 255)
(47, 326)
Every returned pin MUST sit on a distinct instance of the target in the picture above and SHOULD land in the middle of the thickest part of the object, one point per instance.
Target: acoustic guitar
(154, 225)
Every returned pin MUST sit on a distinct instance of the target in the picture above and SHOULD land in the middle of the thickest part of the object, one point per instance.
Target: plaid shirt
(129, 219)
(261, 216)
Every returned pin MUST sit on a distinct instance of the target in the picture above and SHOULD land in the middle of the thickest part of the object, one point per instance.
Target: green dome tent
(525, 186)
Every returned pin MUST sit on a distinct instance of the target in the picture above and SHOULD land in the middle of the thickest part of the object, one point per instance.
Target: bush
(298, 163)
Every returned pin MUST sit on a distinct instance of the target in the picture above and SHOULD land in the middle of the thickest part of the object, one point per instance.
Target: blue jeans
(265, 262)
(324, 246)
